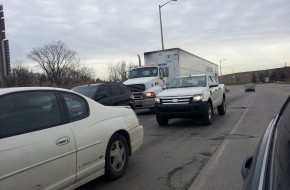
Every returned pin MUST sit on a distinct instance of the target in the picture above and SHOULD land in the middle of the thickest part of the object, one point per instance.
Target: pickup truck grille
(136, 87)
(176, 100)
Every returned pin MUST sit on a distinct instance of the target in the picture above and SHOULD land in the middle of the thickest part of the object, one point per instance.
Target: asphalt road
(187, 155)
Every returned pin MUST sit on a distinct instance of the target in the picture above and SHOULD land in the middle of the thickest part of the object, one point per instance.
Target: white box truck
(161, 67)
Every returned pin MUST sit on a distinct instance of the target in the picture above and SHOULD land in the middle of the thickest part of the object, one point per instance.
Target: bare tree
(77, 74)
(21, 75)
(54, 58)
(119, 72)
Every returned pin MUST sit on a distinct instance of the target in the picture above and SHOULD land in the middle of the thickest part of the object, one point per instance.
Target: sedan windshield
(191, 81)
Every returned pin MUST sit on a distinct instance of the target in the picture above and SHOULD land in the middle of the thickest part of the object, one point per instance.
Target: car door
(116, 95)
(37, 148)
(214, 91)
(89, 138)
(106, 101)
(219, 91)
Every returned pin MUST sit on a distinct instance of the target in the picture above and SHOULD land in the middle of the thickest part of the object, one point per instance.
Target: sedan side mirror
(246, 166)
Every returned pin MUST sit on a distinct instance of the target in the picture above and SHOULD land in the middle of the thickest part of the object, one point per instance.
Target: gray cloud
(103, 31)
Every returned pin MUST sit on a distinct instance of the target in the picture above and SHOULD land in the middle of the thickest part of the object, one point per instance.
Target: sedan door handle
(62, 141)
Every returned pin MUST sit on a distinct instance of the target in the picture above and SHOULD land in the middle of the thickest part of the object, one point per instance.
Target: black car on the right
(269, 167)
(250, 87)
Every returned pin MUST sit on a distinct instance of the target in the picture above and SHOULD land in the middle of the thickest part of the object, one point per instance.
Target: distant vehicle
(268, 168)
(108, 94)
(52, 138)
(191, 96)
(250, 87)
(161, 67)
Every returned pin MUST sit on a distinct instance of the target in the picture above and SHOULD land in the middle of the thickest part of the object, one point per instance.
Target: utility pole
(4, 50)
(160, 6)
(285, 72)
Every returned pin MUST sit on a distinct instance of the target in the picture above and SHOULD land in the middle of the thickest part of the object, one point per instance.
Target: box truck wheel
(162, 120)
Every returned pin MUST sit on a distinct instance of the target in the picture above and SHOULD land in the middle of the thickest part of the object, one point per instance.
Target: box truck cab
(145, 83)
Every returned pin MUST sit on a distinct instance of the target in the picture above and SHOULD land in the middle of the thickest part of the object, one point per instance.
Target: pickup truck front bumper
(191, 110)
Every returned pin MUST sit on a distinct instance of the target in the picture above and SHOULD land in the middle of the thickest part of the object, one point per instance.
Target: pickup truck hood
(181, 91)
(145, 80)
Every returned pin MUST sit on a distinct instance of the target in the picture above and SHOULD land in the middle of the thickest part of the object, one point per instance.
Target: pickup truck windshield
(144, 72)
(190, 81)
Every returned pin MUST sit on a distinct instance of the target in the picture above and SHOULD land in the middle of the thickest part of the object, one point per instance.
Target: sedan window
(281, 156)
(28, 111)
(77, 107)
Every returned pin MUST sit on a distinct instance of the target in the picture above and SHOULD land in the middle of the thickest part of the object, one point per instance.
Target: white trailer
(179, 63)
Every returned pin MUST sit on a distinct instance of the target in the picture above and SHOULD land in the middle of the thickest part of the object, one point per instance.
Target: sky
(250, 35)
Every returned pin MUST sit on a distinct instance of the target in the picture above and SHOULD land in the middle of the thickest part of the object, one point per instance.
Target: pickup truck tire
(222, 108)
(207, 118)
(162, 120)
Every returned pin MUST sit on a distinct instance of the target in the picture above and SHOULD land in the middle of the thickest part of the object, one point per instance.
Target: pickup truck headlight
(157, 100)
(150, 94)
(197, 97)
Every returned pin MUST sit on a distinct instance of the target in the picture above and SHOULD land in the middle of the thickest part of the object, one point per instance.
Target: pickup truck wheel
(117, 157)
(222, 108)
(162, 120)
(207, 118)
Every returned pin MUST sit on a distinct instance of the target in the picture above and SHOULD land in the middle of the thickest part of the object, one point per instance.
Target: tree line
(59, 66)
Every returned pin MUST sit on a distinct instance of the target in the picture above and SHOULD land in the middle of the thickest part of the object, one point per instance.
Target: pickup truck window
(190, 81)
(212, 82)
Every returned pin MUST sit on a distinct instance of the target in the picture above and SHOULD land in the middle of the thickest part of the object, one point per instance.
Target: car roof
(20, 89)
(86, 85)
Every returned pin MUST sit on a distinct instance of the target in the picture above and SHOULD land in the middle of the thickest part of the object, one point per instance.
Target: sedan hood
(182, 91)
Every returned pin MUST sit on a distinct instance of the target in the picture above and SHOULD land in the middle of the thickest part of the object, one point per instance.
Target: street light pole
(161, 22)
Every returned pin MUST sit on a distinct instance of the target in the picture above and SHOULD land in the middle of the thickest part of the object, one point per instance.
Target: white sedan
(52, 138)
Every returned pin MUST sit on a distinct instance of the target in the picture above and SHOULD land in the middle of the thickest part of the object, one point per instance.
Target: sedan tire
(117, 157)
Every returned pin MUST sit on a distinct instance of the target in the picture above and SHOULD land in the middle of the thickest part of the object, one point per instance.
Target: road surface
(187, 155)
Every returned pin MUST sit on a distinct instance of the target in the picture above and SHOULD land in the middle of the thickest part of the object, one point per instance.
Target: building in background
(5, 68)
(264, 76)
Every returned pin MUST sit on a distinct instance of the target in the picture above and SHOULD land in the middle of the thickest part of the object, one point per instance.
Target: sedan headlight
(157, 100)
(197, 97)
(150, 94)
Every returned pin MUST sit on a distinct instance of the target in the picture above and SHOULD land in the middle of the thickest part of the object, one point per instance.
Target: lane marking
(214, 159)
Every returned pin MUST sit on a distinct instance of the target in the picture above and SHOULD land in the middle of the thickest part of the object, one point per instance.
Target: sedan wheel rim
(118, 156)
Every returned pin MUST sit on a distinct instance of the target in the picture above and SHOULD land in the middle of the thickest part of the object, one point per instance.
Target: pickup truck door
(215, 90)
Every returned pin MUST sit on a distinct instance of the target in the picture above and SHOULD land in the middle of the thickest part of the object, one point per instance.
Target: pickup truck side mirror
(101, 96)
(213, 85)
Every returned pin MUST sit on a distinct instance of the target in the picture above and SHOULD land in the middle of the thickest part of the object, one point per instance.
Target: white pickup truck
(191, 96)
